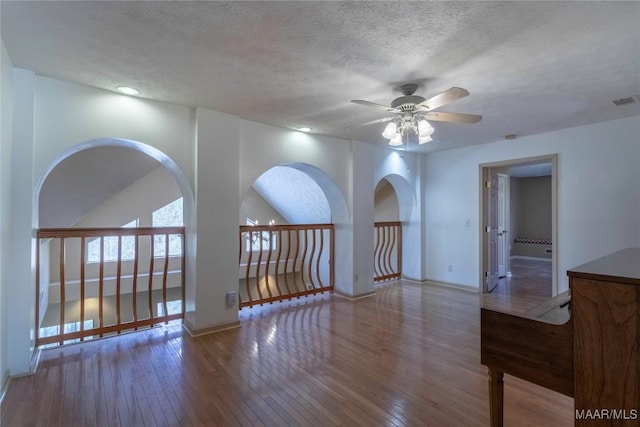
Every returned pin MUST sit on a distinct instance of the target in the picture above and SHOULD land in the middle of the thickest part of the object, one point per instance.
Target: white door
(503, 247)
(491, 274)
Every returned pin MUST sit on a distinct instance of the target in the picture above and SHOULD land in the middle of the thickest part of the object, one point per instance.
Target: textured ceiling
(282, 184)
(530, 67)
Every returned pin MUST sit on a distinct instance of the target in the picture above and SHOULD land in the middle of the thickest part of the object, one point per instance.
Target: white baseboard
(196, 332)
(450, 285)
(35, 361)
(532, 258)
(412, 280)
(431, 282)
(6, 378)
(354, 297)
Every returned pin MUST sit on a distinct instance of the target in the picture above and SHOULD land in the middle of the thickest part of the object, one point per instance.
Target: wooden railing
(107, 296)
(388, 251)
(279, 262)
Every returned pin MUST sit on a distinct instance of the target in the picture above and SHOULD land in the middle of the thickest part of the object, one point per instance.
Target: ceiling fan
(411, 112)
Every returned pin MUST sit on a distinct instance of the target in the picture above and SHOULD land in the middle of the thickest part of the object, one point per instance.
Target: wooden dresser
(593, 357)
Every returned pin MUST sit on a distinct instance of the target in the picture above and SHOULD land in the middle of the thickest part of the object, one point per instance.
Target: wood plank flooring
(529, 286)
(407, 356)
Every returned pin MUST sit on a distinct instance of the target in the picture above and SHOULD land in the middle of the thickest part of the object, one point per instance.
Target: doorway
(518, 213)
(110, 245)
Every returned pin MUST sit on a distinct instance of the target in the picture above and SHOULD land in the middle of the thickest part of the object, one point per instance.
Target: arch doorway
(395, 202)
(111, 243)
(287, 236)
(387, 233)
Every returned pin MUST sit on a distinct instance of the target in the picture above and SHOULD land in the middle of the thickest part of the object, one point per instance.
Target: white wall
(217, 212)
(137, 201)
(385, 202)
(598, 197)
(403, 171)
(68, 114)
(363, 218)
(255, 207)
(263, 147)
(50, 118)
(56, 118)
(6, 100)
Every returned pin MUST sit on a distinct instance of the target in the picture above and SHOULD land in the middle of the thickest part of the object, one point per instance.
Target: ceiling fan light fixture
(411, 111)
(424, 128)
(390, 131)
(396, 140)
(424, 139)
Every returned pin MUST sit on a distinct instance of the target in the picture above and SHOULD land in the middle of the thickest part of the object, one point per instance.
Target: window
(110, 244)
(260, 241)
(50, 331)
(173, 307)
(168, 216)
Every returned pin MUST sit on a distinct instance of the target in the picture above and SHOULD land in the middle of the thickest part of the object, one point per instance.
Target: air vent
(624, 101)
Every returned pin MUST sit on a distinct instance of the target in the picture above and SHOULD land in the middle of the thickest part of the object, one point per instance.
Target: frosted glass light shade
(424, 139)
(396, 140)
(389, 131)
(425, 128)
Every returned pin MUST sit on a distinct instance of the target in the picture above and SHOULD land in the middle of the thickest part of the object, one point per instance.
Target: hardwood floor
(529, 285)
(407, 356)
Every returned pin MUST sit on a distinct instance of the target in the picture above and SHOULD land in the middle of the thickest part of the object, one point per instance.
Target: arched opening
(397, 232)
(385, 205)
(387, 255)
(287, 234)
(110, 243)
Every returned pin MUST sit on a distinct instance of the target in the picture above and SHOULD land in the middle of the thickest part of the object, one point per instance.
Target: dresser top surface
(622, 266)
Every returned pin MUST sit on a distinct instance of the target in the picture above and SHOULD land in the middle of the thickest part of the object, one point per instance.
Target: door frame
(504, 211)
(483, 220)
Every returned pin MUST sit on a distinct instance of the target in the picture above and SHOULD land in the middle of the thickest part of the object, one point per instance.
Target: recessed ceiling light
(304, 129)
(128, 90)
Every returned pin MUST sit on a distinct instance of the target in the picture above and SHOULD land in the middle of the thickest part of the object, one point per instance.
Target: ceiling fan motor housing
(408, 102)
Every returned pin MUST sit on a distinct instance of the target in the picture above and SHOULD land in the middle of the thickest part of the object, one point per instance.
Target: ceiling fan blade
(444, 98)
(385, 119)
(452, 117)
(373, 104)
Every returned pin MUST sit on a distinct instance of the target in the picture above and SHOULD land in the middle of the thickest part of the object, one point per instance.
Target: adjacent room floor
(529, 285)
(409, 355)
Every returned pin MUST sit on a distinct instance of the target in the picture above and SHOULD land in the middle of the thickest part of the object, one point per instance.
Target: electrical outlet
(467, 223)
(232, 298)
(450, 268)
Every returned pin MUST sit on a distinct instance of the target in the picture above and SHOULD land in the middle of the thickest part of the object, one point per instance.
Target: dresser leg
(496, 396)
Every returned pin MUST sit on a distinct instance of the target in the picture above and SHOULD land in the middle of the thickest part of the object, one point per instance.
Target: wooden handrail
(49, 233)
(71, 240)
(299, 266)
(245, 228)
(388, 241)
